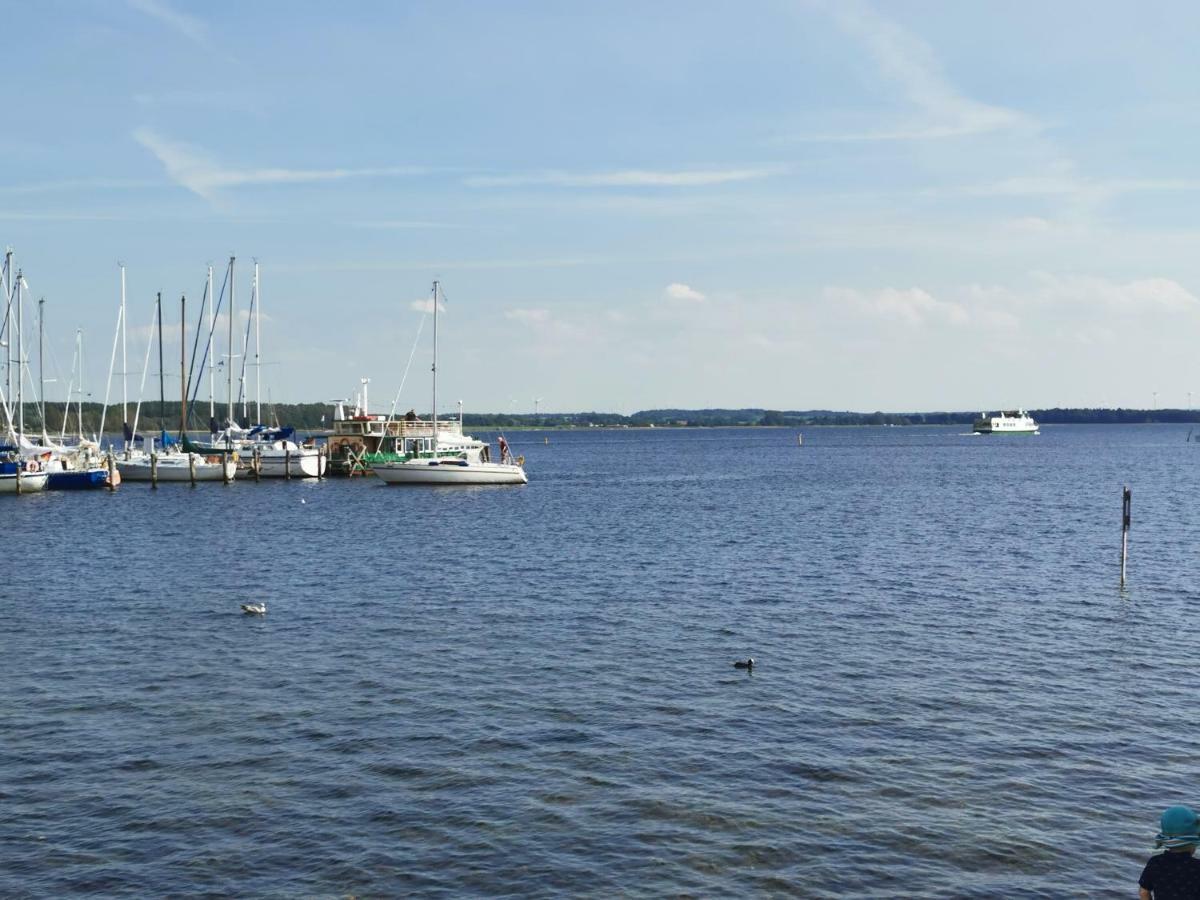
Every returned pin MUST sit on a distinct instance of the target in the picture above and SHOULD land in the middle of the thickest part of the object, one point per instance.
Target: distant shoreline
(313, 417)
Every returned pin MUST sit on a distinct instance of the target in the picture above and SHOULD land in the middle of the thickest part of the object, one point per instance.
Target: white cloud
(1140, 295)
(627, 178)
(538, 316)
(909, 64)
(678, 291)
(426, 305)
(190, 27)
(913, 306)
(193, 169)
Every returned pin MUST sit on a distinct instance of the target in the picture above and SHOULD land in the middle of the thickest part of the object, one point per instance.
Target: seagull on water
(254, 609)
(740, 664)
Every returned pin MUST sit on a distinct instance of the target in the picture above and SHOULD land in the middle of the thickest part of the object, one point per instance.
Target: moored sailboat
(446, 457)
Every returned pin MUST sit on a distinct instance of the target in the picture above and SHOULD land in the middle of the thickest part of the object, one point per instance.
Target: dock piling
(256, 464)
(153, 470)
(287, 461)
(112, 471)
(192, 468)
(1126, 505)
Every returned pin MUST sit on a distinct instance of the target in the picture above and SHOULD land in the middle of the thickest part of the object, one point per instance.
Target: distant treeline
(316, 416)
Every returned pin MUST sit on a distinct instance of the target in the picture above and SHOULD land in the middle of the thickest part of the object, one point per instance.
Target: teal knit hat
(1180, 827)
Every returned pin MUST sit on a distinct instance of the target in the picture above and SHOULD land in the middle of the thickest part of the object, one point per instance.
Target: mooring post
(287, 461)
(20, 470)
(256, 464)
(192, 468)
(153, 470)
(112, 471)
(320, 462)
(1126, 504)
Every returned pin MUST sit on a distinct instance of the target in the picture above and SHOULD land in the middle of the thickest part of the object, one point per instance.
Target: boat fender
(520, 460)
(31, 466)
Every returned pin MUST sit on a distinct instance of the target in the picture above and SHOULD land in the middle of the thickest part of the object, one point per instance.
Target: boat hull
(447, 473)
(175, 470)
(77, 480)
(305, 464)
(31, 482)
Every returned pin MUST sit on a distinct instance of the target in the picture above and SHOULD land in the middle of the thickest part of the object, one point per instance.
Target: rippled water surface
(530, 690)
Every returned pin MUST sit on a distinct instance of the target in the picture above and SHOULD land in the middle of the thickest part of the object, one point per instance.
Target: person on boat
(1174, 873)
(410, 416)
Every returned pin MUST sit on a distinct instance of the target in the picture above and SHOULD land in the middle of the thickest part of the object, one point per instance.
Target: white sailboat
(447, 456)
(18, 474)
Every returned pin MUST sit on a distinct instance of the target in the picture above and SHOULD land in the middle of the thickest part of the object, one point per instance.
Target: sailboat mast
(162, 399)
(229, 367)
(20, 360)
(124, 358)
(79, 405)
(42, 364)
(8, 344)
(434, 411)
(257, 346)
(182, 369)
(212, 409)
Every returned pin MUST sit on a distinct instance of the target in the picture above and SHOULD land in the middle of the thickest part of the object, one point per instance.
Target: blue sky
(903, 206)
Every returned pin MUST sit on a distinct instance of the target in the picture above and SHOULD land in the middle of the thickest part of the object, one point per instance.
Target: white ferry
(1015, 421)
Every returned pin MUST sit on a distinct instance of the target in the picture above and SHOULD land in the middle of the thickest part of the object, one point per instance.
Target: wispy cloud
(426, 306)
(678, 291)
(189, 26)
(910, 66)
(193, 169)
(538, 316)
(913, 306)
(625, 178)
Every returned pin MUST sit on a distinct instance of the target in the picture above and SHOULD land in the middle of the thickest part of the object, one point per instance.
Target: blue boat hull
(77, 481)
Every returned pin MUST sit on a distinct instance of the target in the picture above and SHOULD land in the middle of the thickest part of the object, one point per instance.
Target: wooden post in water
(287, 460)
(1126, 504)
(112, 471)
(153, 470)
(256, 464)
(320, 462)
(20, 470)
(192, 468)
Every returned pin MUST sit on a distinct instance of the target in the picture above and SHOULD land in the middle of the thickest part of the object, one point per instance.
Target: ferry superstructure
(1015, 421)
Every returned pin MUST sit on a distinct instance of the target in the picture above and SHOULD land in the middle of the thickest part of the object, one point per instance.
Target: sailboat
(18, 474)
(446, 455)
(175, 463)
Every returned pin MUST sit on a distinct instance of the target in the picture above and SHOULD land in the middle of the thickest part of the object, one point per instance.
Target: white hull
(1015, 422)
(176, 468)
(31, 482)
(305, 463)
(423, 472)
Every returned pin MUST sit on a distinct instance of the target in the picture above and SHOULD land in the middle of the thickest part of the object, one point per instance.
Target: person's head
(1179, 829)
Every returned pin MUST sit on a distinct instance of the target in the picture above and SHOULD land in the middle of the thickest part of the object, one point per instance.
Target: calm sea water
(529, 691)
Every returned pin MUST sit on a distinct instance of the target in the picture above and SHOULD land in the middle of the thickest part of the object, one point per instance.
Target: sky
(898, 206)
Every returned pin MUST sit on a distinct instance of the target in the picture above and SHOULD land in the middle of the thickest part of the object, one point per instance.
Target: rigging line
(142, 387)
(112, 364)
(195, 344)
(246, 347)
(403, 378)
(216, 315)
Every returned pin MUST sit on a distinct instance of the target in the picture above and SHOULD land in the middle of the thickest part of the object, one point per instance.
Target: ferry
(1015, 421)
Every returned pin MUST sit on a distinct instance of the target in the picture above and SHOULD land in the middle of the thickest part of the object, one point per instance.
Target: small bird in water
(740, 664)
(254, 609)
(302, 500)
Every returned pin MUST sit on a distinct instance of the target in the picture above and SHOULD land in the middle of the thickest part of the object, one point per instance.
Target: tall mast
(212, 409)
(257, 346)
(182, 369)
(162, 400)
(124, 363)
(435, 429)
(20, 360)
(229, 367)
(8, 345)
(42, 364)
(79, 406)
